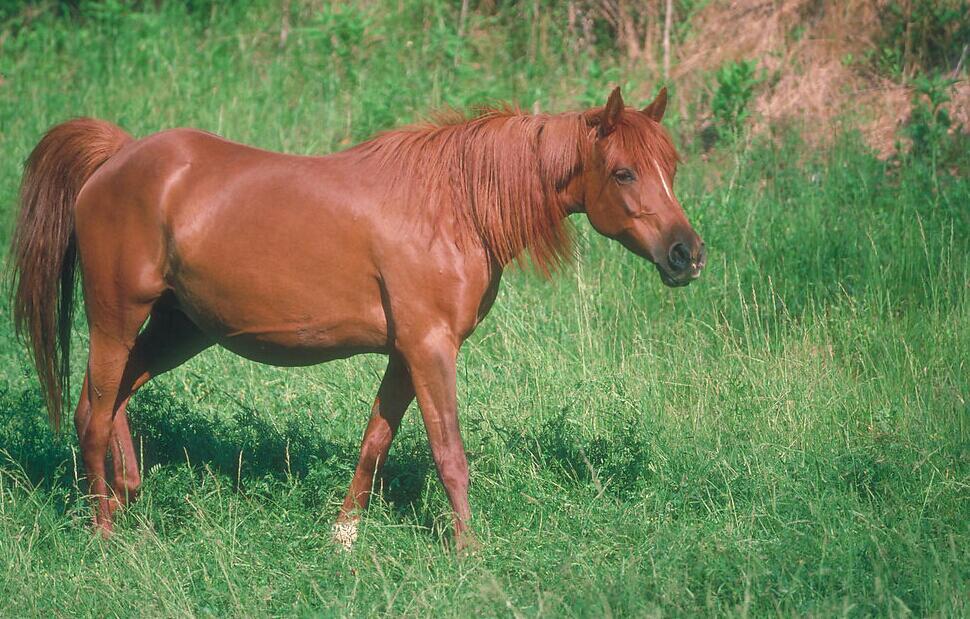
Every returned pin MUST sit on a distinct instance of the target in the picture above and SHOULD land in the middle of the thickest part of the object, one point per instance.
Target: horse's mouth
(679, 281)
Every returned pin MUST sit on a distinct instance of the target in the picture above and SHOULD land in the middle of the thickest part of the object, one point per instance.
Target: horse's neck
(498, 178)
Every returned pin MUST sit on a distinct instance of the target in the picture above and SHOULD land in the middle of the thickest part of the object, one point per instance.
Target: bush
(735, 88)
(929, 122)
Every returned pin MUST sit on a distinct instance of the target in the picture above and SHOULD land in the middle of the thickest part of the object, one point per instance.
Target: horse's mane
(499, 171)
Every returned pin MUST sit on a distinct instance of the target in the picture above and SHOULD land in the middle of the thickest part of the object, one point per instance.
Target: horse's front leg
(393, 398)
(433, 373)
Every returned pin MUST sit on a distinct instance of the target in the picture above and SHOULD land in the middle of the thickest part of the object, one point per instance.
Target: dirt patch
(813, 58)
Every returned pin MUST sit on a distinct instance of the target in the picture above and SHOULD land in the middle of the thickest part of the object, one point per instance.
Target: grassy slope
(787, 435)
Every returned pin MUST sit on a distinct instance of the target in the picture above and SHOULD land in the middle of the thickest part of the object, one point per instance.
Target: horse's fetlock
(129, 486)
(453, 475)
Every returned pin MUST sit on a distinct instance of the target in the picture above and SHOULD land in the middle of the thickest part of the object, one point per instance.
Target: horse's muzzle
(684, 263)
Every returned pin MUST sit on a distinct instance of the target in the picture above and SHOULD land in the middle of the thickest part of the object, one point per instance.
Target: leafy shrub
(735, 88)
(929, 122)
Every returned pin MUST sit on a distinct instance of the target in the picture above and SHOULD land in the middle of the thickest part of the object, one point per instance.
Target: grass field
(788, 435)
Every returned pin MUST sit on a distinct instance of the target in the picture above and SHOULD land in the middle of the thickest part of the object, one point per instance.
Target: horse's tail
(43, 253)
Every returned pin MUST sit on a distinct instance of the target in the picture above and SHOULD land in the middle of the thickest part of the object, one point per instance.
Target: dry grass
(810, 53)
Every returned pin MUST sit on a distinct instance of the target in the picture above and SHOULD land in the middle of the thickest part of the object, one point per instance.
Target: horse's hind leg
(127, 477)
(169, 340)
(122, 450)
(113, 329)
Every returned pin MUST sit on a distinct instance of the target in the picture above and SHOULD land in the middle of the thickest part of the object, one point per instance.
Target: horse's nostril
(679, 256)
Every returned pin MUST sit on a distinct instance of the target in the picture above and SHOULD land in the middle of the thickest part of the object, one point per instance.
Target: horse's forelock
(640, 141)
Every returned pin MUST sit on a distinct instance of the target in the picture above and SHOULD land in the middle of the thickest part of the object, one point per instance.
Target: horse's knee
(82, 413)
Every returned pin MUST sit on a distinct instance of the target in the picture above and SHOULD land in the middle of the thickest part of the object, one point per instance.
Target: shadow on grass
(245, 447)
(28, 440)
(248, 447)
(613, 463)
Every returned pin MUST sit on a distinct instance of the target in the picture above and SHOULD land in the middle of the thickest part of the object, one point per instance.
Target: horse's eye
(624, 176)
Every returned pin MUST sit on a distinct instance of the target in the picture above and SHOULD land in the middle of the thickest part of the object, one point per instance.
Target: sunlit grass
(787, 435)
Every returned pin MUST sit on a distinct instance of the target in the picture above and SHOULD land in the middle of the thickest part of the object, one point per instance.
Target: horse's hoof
(344, 534)
(466, 544)
(101, 529)
(114, 504)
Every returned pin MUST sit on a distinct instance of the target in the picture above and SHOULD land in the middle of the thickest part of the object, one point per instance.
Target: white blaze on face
(663, 180)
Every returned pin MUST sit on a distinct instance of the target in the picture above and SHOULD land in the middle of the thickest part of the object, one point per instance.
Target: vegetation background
(789, 435)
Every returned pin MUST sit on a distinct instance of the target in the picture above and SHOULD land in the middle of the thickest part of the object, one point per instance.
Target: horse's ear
(656, 109)
(611, 113)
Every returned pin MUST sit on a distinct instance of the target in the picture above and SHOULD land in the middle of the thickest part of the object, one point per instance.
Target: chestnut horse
(394, 246)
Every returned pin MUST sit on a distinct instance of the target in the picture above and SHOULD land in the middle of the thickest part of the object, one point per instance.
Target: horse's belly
(287, 320)
(274, 272)
(303, 346)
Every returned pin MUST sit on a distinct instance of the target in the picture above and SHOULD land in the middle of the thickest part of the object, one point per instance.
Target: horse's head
(627, 187)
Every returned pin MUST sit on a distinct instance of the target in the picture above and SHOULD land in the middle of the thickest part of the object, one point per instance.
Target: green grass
(788, 435)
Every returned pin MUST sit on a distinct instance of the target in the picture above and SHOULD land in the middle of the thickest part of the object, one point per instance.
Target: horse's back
(271, 254)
